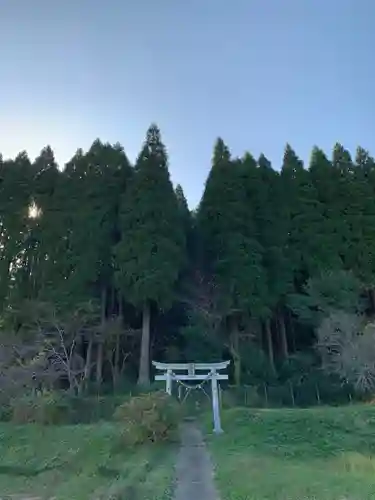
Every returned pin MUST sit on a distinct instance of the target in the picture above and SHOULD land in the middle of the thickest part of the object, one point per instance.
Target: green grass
(312, 454)
(81, 462)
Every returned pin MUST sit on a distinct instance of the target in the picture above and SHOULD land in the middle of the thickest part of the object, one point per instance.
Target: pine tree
(15, 201)
(309, 248)
(360, 255)
(187, 223)
(354, 202)
(305, 245)
(328, 236)
(183, 207)
(94, 184)
(96, 180)
(273, 224)
(47, 224)
(229, 235)
(233, 253)
(343, 203)
(257, 179)
(151, 252)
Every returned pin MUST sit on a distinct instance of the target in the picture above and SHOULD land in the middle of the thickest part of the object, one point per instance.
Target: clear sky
(258, 73)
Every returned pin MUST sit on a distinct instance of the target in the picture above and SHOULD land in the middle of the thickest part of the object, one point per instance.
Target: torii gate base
(198, 372)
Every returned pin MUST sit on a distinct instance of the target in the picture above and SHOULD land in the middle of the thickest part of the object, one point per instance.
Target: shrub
(151, 417)
(47, 408)
(90, 409)
(5, 412)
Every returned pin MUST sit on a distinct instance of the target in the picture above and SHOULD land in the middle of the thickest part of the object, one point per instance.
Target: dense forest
(103, 268)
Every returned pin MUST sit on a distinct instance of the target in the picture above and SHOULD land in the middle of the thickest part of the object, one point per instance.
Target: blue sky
(258, 73)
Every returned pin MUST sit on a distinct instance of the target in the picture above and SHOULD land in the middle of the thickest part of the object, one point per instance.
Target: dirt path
(194, 469)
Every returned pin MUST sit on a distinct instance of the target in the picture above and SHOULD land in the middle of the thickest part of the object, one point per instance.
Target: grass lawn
(312, 454)
(81, 462)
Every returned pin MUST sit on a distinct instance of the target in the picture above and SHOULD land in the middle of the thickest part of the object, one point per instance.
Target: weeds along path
(194, 472)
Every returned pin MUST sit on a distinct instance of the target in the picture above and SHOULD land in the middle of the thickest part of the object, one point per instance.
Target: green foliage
(255, 365)
(280, 249)
(270, 205)
(225, 222)
(184, 208)
(96, 181)
(306, 220)
(201, 342)
(46, 408)
(248, 396)
(150, 253)
(332, 290)
(91, 409)
(5, 410)
(149, 418)
(15, 200)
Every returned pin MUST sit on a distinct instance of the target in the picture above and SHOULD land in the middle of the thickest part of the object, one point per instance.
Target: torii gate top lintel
(211, 373)
(186, 366)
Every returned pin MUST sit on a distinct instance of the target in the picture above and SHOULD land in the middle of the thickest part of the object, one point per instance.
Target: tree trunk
(267, 328)
(284, 339)
(372, 299)
(292, 330)
(113, 300)
(99, 364)
(235, 352)
(116, 361)
(99, 355)
(144, 360)
(87, 371)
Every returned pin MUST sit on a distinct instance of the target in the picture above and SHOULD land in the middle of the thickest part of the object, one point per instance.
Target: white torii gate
(198, 372)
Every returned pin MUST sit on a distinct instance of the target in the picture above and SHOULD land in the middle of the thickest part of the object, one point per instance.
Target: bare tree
(347, 347)
(115, 354)
(62, 335)
(46, 345)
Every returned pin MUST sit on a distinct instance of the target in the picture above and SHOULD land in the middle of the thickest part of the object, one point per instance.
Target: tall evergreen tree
(308, 247)
(187, 222)
(47, 224)
(306, 216)
(233, 252)
(343, 203)
(360, 255)
(329, 231)
(15, 201)
(96, 181)
(257, 183)
(273, 223)
(183, 208)
(151, 252)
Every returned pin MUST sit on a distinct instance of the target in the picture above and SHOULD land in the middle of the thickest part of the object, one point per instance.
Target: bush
(151, 417)
(90, 409)
(47, 408)
(5, 412)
